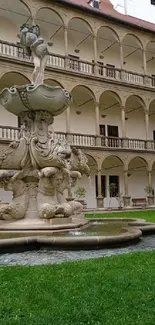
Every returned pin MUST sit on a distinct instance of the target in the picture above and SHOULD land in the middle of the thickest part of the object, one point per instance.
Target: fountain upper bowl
(18, 99)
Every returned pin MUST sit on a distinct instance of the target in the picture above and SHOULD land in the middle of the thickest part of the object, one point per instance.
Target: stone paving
(40, 257)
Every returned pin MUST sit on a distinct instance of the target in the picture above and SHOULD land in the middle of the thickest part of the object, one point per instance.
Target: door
(102, 133)
(103, 185)
(113, 133)
(113, 185)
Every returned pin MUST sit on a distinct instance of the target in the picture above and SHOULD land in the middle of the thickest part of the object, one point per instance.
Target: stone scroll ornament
(40, 166)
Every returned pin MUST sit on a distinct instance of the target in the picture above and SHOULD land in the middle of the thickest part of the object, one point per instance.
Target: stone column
(99, 189)
(97, 120)
(150, 195)
(126, 197)
(123, 122)
(66, 44)
(121, 59)
(68, 124)
(147, 124)
(144, 62)
(95, 54)
(121, 55)
(150, 178)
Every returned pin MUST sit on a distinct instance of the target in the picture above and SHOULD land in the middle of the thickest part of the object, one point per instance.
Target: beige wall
(7, 118)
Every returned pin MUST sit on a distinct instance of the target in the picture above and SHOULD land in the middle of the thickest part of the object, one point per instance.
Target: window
(74, 63)
(113, 141)
(110, 71)
(100, 68)
(102, 129)
(114, 189)
(153, 2)
(19, 122)
(153, 80)
(103, 185)
(113, 131)
(95, 3)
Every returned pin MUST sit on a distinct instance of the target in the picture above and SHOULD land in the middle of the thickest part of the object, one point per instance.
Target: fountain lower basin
(97, 234)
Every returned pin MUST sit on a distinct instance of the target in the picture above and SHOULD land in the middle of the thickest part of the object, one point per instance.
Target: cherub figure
(34, 45)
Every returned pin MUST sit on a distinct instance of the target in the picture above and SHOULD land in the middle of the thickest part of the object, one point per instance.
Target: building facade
(108, 66)
(144, 9)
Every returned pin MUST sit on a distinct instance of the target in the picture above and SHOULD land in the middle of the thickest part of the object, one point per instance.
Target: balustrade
(89, 68)
(9, 133)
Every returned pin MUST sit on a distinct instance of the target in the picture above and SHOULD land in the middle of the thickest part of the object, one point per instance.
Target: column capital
(65, 27)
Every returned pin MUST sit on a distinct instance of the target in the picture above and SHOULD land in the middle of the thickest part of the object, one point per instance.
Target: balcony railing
(14, 51)
(8, 134)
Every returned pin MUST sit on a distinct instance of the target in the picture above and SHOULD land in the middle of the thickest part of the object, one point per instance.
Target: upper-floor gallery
(81, 42)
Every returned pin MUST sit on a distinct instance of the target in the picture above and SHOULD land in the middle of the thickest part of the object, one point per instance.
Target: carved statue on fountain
(39, 167)
(34, 46)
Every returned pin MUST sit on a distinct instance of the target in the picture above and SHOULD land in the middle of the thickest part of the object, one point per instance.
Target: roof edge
(96, 12)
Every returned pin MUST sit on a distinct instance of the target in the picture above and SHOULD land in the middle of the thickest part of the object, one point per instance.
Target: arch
(84, 20)
(151, 165)
(52, 82)
(85, 87)
(135, 37)
(17, 14)
(152, 101)
(140, 158)
(26, 5)
(150, 58)
(112, 30)
(140, 99)
(115, 157)
(149, 42)
(114, 95)
(51, 9)
(12, 78)
(89, 156)
(82, 110)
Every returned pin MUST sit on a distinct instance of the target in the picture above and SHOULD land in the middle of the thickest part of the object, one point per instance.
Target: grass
(148, 215)
(116, 290)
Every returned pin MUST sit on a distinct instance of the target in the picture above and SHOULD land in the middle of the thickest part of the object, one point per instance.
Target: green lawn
(118, 290)
(148, 215)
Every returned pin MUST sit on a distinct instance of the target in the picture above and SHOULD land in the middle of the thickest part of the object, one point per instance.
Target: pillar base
(126, 201)
(100, 203)
(150, 200)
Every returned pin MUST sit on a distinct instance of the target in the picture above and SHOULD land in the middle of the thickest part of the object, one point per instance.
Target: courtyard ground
(148, 215)
(118, 290)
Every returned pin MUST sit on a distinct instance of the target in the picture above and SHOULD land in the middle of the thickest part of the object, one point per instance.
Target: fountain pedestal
(39, 168)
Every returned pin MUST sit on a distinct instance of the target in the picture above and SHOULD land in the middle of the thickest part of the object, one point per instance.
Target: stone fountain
(39, 168)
